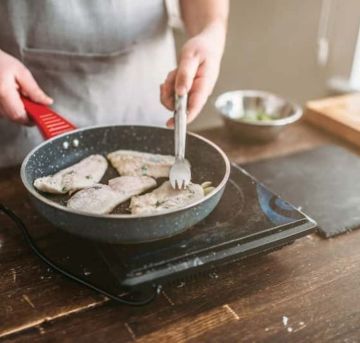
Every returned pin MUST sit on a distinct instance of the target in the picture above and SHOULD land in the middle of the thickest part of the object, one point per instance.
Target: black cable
(20, 224)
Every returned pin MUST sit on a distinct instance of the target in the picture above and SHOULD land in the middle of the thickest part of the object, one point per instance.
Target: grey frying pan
(69, 145)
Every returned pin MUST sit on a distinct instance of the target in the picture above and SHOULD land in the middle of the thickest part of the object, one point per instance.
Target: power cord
(21, 226)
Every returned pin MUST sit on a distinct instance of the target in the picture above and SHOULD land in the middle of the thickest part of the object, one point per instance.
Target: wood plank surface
(304, 292)
(339, 115)
(298, 137)
(314, 283)
(29, 291)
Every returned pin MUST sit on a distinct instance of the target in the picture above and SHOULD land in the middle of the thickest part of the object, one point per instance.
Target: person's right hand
(15, 78)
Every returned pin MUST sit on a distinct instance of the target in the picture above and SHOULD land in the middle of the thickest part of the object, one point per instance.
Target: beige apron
(101, 61)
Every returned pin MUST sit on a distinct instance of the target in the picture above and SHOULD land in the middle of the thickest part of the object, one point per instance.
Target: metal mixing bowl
(236, 105)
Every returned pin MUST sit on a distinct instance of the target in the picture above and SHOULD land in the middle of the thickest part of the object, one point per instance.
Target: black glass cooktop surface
(248, 220)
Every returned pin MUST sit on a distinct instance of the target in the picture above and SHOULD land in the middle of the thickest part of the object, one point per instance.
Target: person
(101, 62)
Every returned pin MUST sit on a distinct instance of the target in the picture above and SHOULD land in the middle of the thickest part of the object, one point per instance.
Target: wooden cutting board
(339, 115)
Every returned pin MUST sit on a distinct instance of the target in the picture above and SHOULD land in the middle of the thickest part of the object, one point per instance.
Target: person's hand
(15, 78)
(196, 74)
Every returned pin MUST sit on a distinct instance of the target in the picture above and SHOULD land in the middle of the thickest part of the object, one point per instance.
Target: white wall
(272, 45)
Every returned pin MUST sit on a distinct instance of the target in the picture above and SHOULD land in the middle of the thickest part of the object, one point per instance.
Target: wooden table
(306, 292)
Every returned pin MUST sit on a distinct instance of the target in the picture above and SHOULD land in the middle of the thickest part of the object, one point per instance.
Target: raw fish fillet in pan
(128, 162)
(85, 173)
(102, 199)
(165, 198)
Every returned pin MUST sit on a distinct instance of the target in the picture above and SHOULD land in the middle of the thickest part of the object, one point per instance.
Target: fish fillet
(128, 162)
(101, 199)
(85, 173)
(166, 198)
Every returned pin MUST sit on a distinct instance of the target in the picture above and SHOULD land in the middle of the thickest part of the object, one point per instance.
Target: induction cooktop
(249, 220)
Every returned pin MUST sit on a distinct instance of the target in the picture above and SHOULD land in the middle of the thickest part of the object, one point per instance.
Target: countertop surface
(306, 292)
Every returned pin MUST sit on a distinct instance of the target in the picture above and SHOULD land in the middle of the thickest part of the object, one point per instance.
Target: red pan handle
(49, 122)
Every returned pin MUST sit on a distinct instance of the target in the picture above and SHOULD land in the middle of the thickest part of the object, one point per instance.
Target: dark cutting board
(324, 182)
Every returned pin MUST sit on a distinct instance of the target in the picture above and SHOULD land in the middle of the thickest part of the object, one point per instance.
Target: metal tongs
(180, 173)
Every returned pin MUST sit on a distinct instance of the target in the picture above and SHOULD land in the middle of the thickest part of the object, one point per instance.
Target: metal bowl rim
(298, 112)
(31, 189)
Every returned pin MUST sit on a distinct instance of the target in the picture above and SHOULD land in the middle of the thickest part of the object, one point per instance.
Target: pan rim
(31, 189)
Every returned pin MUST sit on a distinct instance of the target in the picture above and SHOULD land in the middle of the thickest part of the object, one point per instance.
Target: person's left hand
(196, 74)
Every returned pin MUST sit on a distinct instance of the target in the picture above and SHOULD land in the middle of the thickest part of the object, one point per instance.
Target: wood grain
(320, 302)
(339, 115)
(30, 292)
(192, 327)
(298, 137)
(314, 282)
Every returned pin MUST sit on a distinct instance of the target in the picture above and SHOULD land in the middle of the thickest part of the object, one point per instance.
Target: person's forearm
(200, 57)
(204, 15)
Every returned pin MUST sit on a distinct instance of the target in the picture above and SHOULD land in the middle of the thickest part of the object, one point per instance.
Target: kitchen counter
(308, 291)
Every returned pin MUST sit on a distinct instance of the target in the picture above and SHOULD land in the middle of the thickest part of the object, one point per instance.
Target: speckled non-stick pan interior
(207, 163)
